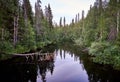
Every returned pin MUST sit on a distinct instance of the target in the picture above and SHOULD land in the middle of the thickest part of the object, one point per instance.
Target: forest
(22, 30)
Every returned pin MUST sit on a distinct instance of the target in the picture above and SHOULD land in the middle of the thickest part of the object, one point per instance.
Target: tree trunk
(118, 15)
(112, 34)
(14, 41)
(2, 34)
(15, 35)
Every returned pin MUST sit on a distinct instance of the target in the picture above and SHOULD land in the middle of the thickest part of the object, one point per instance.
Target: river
(62, 64)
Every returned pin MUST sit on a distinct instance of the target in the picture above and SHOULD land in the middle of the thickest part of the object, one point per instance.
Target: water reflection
(22, 69)
(66, 64)
(45, 65)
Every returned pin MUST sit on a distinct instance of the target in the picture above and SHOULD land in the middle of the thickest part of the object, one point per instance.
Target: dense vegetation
(21, 30)
(101, 33)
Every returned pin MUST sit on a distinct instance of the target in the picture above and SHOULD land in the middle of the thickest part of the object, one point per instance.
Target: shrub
(97, 48)
(105, 53)
(6, 47)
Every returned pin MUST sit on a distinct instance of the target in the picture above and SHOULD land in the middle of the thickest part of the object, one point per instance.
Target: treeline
(21, 30)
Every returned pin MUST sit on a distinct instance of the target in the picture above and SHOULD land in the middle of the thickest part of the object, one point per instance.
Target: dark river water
(64, 64)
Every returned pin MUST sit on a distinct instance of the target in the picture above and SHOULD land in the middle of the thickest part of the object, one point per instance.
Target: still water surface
(67, 68)
(62, 65)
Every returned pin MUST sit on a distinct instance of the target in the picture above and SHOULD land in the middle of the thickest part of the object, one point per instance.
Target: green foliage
(25, 30)
(65, 34)
(30, 37)
(95, 30)
(6, 47)
(105, 53)
(80, 42)
(98, 48)
(20, 49)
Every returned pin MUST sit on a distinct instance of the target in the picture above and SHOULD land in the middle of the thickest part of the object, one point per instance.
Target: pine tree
(27, 11)
(64, 22)
(78, 17)
(29, 32)
(114, 27)
(38, 17)
(48, 15)
(82, 14)
(60, 22)
(73, 22)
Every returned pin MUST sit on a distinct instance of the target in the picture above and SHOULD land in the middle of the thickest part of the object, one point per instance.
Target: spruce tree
(60, 22)
(27, 11)
(38, 17)
(49, 16)
(64, 21)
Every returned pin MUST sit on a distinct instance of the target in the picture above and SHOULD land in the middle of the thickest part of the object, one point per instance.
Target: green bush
(79, 42)
(6, 47)
(105, 53)
(98, 48)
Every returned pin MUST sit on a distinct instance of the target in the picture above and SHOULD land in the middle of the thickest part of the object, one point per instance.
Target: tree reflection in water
(18, 69)
(46, 65)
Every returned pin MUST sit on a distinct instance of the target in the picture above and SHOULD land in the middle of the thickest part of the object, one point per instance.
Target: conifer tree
(48, 15)
(29, 33)
(60, 22)
(38, 17)
(73, 22)
(82, 14)
(27, 11)
(78, 17)
(64, 21)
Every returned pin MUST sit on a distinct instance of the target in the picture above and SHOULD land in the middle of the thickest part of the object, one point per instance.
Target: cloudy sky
(66, 8)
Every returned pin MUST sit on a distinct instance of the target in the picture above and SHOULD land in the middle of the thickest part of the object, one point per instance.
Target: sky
(65, 8)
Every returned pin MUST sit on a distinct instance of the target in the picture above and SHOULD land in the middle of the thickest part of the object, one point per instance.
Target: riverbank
(5, 56)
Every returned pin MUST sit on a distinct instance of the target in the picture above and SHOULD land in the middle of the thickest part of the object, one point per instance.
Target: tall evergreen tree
(82, 14)
(114, 28)
(29, 33)
(38, 17)
(73, 22)
(64, 21)
(60, 22)
(76, 18)
(49, 16)
(27, 11)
